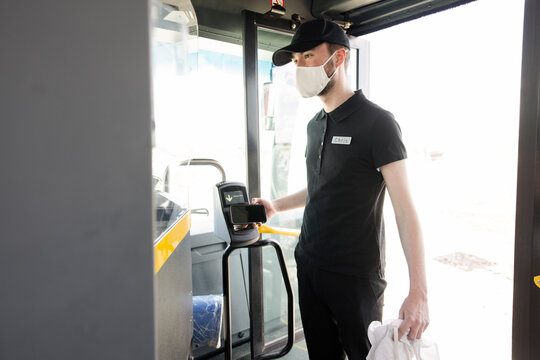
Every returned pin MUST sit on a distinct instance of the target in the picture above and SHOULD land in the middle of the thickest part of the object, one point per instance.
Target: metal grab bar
(200, 162)
(226, 309)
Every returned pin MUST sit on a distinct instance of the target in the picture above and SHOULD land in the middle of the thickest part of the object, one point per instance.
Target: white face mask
(311, 80)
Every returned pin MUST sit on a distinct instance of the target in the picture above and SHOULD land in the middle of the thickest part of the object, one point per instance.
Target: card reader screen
(234, 197)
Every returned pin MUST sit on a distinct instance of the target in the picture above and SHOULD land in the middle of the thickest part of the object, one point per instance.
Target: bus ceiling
(364, 16)
(222, 19)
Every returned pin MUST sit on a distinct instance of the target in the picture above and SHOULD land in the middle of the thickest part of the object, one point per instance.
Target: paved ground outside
(467, 216)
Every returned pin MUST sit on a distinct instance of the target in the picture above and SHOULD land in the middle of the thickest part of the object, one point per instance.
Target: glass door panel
(174, 49)
(282, 138)
(211, 125)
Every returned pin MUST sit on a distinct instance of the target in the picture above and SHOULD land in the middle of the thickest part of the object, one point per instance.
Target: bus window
(212, 128)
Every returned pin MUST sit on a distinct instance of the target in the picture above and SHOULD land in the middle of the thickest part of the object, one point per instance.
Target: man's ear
(341, 56)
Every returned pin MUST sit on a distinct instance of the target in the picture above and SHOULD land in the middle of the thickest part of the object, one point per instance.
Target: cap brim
(283, 55)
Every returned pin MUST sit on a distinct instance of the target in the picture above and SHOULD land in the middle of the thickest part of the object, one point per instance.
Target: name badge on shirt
(342, 140)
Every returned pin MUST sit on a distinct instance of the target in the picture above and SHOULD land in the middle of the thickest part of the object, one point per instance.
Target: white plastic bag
(385, 344)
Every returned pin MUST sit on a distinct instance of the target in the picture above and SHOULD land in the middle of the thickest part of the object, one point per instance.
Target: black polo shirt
(343, 228)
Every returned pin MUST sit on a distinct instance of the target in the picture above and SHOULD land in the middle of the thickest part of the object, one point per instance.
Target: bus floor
(298, 352)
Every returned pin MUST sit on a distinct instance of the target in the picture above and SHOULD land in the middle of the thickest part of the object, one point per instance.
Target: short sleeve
(387, 145)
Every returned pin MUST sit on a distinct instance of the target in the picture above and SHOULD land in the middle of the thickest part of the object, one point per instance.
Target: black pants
(336, 311)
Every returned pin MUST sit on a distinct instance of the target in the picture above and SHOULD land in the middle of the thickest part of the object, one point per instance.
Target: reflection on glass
(217, 125)
(173, 50)
(167, 213)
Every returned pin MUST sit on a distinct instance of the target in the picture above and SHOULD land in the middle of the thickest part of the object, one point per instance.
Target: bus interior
(123, 120)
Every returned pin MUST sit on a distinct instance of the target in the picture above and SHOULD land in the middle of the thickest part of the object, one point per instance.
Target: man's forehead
(322, 46)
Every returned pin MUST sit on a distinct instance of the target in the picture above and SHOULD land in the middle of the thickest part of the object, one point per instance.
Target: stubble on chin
(328, 87)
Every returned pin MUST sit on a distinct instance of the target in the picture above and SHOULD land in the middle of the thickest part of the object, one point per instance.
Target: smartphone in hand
(245, 214)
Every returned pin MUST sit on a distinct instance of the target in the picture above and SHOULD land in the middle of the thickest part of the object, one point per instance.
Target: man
(354, 153)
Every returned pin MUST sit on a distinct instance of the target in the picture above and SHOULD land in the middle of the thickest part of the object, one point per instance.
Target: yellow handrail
(265, 229)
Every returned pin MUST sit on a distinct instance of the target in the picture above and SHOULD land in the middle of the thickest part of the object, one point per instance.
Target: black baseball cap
(309, 35)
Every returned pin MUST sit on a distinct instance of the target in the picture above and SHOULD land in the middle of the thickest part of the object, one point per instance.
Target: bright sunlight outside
(452, 80)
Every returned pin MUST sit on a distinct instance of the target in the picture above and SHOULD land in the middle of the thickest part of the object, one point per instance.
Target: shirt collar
(347, 108)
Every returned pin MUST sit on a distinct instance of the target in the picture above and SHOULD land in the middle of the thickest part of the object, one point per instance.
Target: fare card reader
(228, 197)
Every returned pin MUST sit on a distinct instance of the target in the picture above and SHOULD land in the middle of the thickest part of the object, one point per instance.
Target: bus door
(277, 117)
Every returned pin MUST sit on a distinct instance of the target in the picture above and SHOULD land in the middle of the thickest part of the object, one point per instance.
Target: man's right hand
(289, 202)
(268, 206)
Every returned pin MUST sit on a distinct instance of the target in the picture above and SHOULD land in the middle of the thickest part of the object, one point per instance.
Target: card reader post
(225, 195)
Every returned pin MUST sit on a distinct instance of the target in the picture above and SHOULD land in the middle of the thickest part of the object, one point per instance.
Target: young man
(354, 153)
